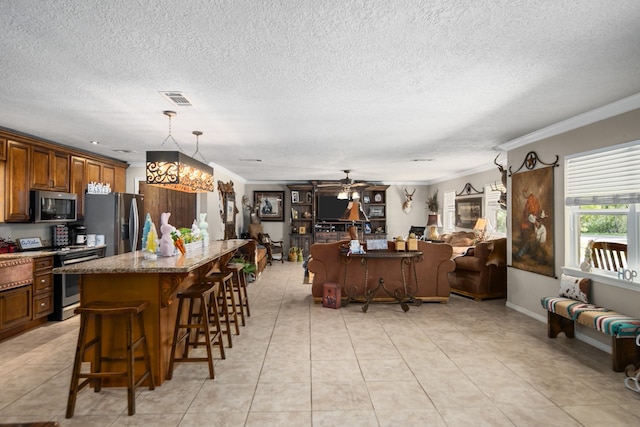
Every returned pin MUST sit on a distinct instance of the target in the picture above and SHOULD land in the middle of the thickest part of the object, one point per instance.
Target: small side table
(403, 295)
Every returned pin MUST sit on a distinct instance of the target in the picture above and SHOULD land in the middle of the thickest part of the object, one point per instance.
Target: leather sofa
(482, 272)
(431, 271)
(461, 241)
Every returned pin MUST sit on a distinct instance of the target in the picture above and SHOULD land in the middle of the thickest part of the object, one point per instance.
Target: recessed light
(250, 160)
(421, 160)
(95, 142)
(126, 151)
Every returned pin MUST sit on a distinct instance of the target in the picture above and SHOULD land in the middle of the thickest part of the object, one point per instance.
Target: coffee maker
(78, 235)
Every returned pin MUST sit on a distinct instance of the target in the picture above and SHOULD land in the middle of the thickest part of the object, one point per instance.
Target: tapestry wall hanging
(532, 243)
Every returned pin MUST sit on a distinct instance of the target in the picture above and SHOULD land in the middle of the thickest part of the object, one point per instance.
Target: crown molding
(610, 110)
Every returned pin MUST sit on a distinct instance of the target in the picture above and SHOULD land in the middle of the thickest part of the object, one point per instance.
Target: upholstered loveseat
(460, 241)
(431, 271)
(482, 272)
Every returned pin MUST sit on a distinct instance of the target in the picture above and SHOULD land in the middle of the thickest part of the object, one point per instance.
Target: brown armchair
(482, 272)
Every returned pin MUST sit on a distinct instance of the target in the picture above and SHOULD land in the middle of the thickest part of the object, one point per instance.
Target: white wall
(398, 222)
(524, 288)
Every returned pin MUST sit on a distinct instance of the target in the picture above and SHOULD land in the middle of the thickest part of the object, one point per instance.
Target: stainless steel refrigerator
(118, 216)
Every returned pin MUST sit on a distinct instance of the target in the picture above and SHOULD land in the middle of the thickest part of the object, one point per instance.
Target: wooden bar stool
(197, 323)
(97, 310)
(226, 302)
(240, 287)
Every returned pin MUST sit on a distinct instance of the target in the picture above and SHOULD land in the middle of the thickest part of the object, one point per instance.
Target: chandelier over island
(176, 170)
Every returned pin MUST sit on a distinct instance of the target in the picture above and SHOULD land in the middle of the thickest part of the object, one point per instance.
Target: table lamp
(432, 224)
(480, 228)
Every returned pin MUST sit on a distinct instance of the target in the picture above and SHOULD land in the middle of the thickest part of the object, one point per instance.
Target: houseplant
(248, 268)
(432, 202)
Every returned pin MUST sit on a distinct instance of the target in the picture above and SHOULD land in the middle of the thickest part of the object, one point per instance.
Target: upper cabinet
(31, 164)
(106, 174)
(16, 205)
(3, 149)
(84, 171)
(49, 169)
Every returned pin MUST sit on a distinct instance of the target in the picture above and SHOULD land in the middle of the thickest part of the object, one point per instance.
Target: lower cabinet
(28, 298)
(42, 286)
(15, 307)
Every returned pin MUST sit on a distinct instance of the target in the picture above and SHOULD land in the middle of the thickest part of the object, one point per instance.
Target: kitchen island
(130, 276)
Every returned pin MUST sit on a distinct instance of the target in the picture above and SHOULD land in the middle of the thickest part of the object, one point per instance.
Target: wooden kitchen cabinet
(84, 171)
(42, 286)
(16, 177)
(15, 307)
(93, 171)
(106, 174)
(49, 169)
(33, 164)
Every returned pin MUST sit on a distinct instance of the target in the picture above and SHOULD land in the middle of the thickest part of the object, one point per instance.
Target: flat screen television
(330, 208)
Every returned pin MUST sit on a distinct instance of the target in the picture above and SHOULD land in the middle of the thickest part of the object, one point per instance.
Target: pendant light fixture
(177, 171)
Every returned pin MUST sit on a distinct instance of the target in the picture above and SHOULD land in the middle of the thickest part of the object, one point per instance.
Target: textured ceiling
(313, 87)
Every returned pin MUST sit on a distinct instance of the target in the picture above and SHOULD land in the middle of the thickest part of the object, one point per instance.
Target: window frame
(491, 208)
(573, 257)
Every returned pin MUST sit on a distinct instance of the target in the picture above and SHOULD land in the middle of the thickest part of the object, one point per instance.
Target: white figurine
(203, 229)
(167, 248)
(195, 231)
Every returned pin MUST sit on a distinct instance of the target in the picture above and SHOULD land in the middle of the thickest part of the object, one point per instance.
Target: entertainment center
(315, 215)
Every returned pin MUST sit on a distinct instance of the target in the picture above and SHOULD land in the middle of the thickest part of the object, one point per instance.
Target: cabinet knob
(43, 304)
(43, 280)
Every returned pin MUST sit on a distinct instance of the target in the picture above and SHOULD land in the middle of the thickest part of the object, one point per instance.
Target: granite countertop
(134, 262)
(41, 253)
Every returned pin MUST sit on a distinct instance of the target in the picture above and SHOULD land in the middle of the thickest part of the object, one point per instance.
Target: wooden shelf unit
(303, 216)
(374, 205)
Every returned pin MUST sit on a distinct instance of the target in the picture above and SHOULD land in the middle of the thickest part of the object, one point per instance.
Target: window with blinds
(610, 176)
(602, 196)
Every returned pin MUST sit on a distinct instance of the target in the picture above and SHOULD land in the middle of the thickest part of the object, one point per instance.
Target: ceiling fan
(345, 185)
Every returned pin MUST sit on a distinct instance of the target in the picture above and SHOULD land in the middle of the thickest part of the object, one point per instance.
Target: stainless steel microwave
(53, 206)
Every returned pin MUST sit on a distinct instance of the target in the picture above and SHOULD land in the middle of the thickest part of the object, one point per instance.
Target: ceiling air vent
(177, 98)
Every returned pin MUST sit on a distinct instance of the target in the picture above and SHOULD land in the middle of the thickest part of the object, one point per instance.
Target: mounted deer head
(502, 201)
(408, 201)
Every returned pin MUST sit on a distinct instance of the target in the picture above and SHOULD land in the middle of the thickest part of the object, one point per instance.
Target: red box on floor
(331, 295)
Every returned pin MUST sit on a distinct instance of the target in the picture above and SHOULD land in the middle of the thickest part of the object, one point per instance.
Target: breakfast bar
(129, 276)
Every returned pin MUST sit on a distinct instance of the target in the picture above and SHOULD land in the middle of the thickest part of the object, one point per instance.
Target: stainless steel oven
(66, 291)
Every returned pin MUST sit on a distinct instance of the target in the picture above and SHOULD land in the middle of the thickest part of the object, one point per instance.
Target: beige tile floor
(464, 363)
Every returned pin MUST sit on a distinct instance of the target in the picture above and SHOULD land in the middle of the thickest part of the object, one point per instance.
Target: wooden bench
(563, 313)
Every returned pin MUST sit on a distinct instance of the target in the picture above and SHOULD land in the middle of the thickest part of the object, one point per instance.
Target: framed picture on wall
(468, 210)
(270, 205)
(231, 206)
(532, 244)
